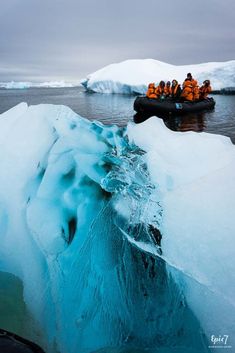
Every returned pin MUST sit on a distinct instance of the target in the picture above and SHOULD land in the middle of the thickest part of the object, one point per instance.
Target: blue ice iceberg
(83, 209)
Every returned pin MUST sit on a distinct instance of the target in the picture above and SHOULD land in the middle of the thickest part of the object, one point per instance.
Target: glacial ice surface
(195, 174)
(83, 208)
(27, 84)
(133, 76)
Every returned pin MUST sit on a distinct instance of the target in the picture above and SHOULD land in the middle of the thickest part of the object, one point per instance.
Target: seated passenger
(196, 92)
(175, 90)
(190, 77)
(151, 91)
(187, 93)
(192, 95)
(205, 89)
(159, 91)
(167, 89)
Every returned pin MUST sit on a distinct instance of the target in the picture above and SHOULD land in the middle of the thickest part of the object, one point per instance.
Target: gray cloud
(67, 39)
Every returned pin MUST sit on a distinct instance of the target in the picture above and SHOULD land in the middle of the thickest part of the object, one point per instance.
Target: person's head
(151, 85)
(174, 82)
(168, 83)
(189, 76)
(162, 84)
(206, 82)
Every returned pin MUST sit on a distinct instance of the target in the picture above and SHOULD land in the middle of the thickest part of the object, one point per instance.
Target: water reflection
(14, 315)
(221, 120)
(190, 122)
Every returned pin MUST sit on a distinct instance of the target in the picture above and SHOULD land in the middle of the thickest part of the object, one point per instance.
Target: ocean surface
(118, 109)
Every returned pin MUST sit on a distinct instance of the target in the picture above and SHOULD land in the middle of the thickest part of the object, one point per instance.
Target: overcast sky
(68, 39)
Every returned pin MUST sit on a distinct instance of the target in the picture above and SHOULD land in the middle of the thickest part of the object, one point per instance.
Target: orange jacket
(159, 91)
(204, 91)
(167, 90)
(196, 93)
(151, 91)
(194, 82)
(187, 92)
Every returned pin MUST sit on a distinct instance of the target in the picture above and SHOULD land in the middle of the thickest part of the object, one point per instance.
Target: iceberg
(133, 76)
(57, 84)
(118, 235)
(195, 174)
(15, 85)
(47, 84)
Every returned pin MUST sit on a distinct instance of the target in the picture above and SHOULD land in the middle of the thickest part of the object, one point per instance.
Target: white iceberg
(47, 84)
(133, 76)
(15, 85)
(57, 84)
(75, 195)
(195, 175)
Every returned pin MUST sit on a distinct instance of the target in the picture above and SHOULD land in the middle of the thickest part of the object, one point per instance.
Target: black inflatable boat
(166, 107)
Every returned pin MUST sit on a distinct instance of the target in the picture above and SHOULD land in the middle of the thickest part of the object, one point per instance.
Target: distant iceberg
(15, 85)
(133, 76)
(48, 84)
(81, 208)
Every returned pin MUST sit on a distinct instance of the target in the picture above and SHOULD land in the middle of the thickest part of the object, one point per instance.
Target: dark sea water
(118, 109)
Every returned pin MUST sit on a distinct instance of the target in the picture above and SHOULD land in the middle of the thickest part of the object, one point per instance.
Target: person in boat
(159, 91)
(196, 92)
(205, 89)
(187, 92)
(190, 78)
(167, 89)
(151, 91)
(190, 89)
(175, 90)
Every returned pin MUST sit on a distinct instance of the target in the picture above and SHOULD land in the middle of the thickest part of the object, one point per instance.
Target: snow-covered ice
(133, 76)
(47, 84)
(75, 196)
(195, 174)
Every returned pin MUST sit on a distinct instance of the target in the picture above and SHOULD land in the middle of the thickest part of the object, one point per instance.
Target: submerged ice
(119, 236)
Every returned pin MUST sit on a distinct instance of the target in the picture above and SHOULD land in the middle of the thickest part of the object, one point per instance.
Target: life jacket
(196, 92)
(194, 82)
(167, 90)
(187, 92)
(204, 91)
(159, 91)
(151, 91)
